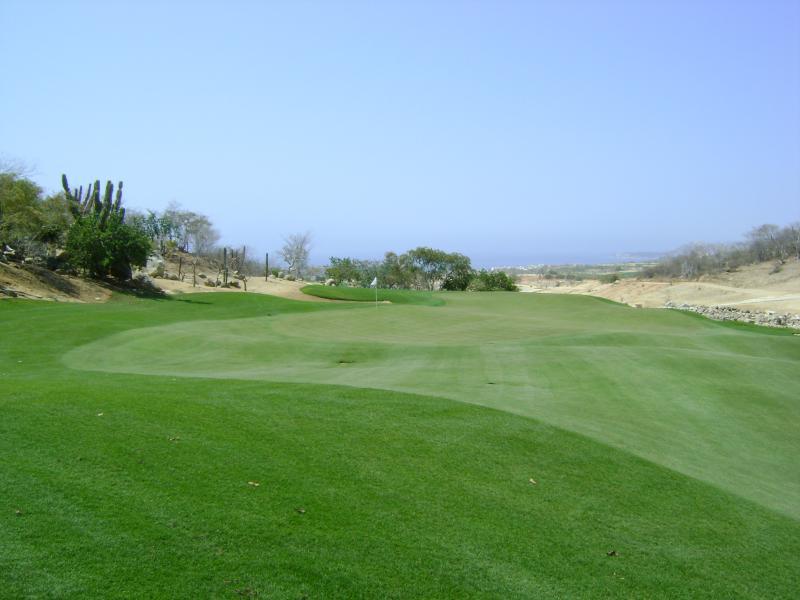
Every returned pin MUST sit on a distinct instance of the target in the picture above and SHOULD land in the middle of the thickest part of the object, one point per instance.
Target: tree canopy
(420, 268)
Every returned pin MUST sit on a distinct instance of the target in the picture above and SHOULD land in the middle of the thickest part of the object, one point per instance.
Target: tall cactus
(82, 206)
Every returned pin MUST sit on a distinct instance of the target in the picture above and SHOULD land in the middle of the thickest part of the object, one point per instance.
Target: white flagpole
(376, 292)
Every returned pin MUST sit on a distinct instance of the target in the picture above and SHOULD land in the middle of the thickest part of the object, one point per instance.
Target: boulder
(155, 266)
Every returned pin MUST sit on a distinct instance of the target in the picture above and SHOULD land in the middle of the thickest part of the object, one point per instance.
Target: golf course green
(448, 445)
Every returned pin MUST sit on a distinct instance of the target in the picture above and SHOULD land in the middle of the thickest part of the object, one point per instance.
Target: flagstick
(376, 294)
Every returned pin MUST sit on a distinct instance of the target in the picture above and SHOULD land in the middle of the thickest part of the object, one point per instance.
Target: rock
(155, 266)
(731, 313)
(330, 282)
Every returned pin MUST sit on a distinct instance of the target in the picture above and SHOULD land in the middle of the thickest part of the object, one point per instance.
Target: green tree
(492, 281)
(20, 210)
(112, 249)
(342, 270)
(55, 221)
(459, 272)
(437, 268)
(30, 223)
(397, 271)
(99, 241)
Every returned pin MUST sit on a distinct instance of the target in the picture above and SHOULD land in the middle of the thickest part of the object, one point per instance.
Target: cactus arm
(65, 185)
(96, 204)
(118, 201)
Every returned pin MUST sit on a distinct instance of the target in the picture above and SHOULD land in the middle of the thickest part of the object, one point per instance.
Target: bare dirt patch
(274, 287)
(31, 281)
(755, 287)
(38, 283)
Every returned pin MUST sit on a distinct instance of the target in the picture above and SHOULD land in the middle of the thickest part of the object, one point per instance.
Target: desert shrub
(110, 248)
(459, 278)
(32, 224)
(492, 281)
(609, 277)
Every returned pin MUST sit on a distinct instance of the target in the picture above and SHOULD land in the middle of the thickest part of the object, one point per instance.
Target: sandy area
(753, 287)
(274, 287)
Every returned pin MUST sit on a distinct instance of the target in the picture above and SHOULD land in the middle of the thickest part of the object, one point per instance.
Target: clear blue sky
(514, 132)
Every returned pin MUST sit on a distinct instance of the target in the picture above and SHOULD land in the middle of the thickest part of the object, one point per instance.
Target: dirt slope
(256, 284)
(38, 283)
(275, 287)
(31, 281)
(755, 287)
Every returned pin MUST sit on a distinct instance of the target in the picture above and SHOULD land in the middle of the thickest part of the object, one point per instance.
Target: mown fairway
(130, 431)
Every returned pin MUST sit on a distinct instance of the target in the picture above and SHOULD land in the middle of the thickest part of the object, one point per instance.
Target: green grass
(368, 295)
(667, 438)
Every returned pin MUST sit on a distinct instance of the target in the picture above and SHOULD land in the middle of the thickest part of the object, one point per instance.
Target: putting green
(715, 402)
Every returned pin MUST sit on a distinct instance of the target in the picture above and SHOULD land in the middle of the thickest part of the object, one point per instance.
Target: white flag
(374, 283)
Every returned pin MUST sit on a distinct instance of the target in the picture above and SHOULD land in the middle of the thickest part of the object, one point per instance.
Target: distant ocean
(483, 261)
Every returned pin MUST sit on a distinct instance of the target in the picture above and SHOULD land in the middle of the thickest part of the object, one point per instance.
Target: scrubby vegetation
(78, 230)
(31, 224)
(75, 229)
(421, 268)
(763, 243)
(88, 231)
(581, 272)
(99, 241)
(492, 281)
(175, 229)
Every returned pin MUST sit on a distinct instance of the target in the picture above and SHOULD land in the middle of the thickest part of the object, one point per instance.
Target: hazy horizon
(510, 132)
